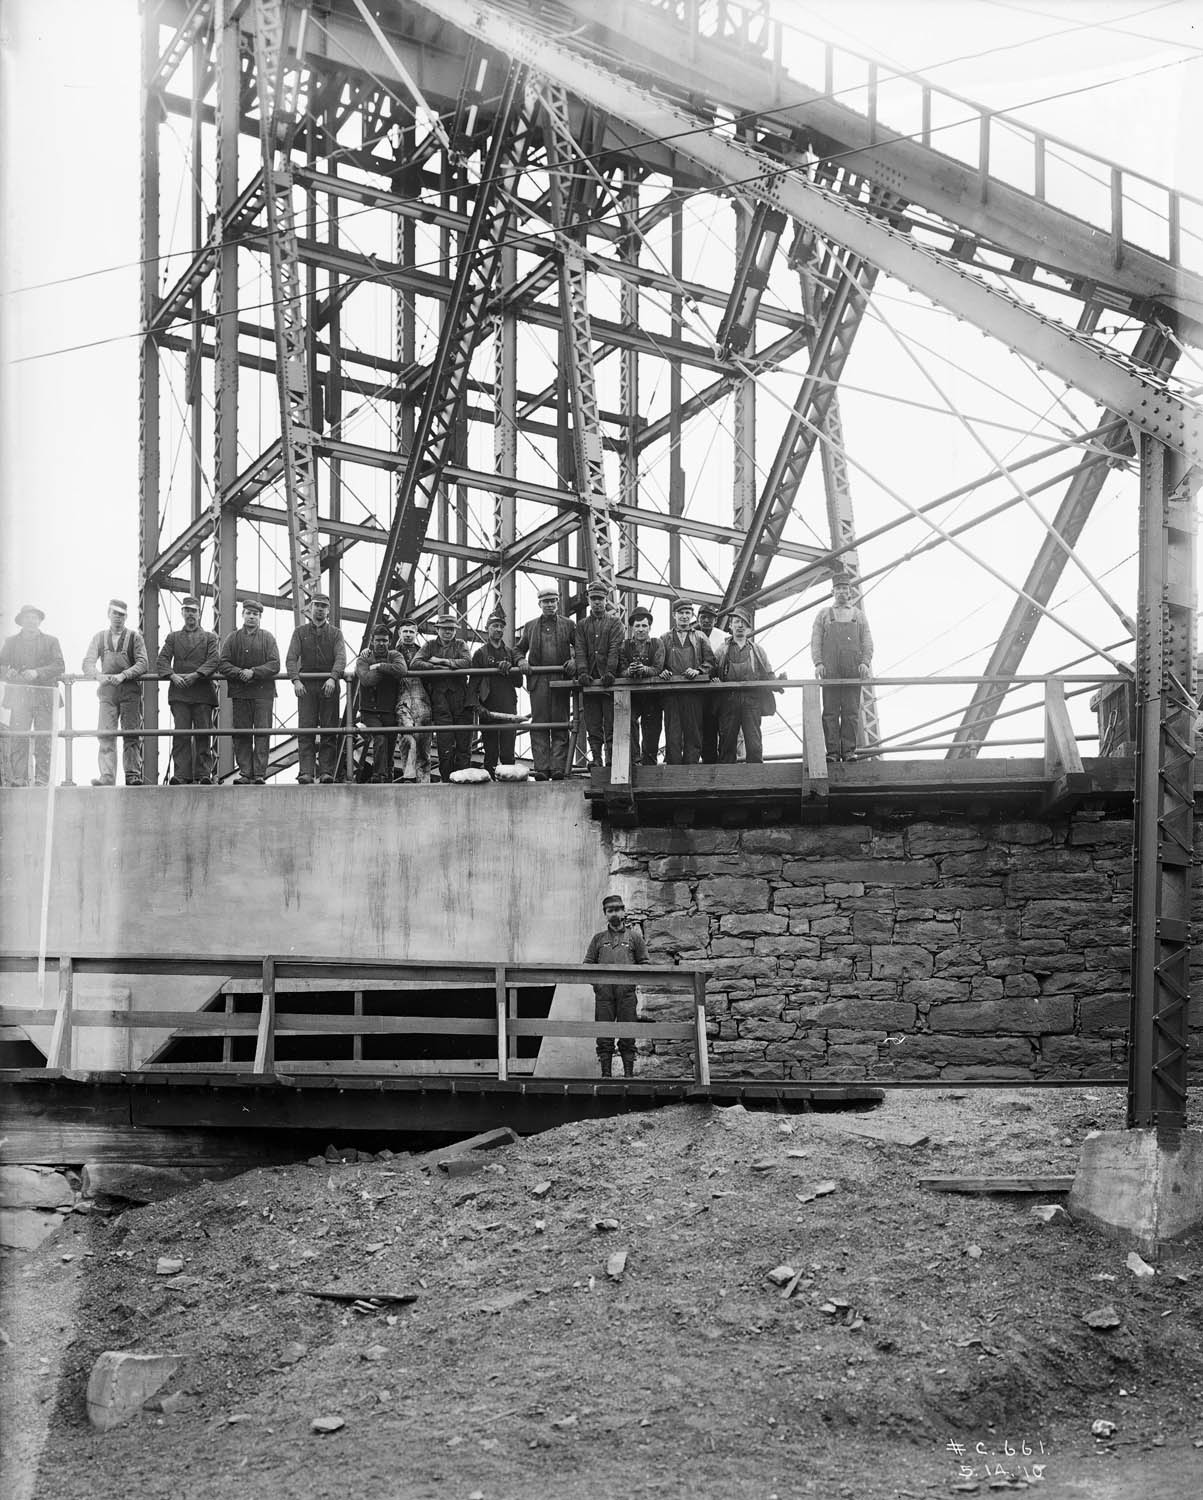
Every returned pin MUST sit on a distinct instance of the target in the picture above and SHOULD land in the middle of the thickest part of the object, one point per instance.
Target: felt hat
(641, 614)
(30, 609)
(741, 612)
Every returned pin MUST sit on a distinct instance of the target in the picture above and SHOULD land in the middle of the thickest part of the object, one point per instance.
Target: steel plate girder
(1151, 404)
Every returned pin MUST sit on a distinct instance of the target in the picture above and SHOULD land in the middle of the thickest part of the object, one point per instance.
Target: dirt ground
(929, 1342)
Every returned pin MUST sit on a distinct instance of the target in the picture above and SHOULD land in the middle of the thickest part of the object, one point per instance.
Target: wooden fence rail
(272, 970)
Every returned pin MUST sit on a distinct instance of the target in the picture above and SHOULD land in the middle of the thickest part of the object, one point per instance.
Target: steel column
(1163, 856)
(148, 373)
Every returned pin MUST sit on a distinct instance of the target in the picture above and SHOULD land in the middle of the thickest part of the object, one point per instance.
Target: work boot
(606, 1064)
(628, 1066)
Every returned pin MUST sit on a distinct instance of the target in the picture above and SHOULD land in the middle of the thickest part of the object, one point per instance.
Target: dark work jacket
(380, 682)
(454, 693)
(316, 648)
(185, 652)
(40, 653)
(496, 694)
(597, 646)
(258, 652)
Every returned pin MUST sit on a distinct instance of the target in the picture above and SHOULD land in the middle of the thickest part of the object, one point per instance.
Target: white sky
(69, 209)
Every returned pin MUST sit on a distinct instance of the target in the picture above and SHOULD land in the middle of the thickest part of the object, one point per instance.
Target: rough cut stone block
(1107, 1013)
(951, 898)
(26, 1228)
(752, 923)
(831, 926)
(1023, 833)
(1058, 885)
(1074, 861)
(1058, 916)
(728, 893)
(843, 890)
(872, 1015)
(675, 933)
(873, 926)
(789, 947)
(771, 840)
(985, 988)
(992, 1017)
(833, 840)
(934, 991)
(760, 1008)
(686, 866)
(933, 935)
(1109, 831)
(662, 841)
(986, 926)
(658, 895)
(767, 1031)
(993, 1051)
(891, 872)
(822, 968)
(938, 838)
(959, 961)
(901, 961)
(1021, 984)
(729, 947)
(1075, 1054)
(33, 1187)
(120, 1383)
(976, 866)
(790, 897)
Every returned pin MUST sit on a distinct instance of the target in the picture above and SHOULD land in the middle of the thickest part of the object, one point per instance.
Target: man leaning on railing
(116, 658)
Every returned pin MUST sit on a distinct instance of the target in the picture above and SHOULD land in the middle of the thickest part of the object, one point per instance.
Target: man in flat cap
(189, 656)
(380, 671)
(450, 694)
(413, 709)
(741, 659)
(597, 641)
(116, 659)
(841, 646)
(547, 641)
(317, 659)
(31, 662)
(497, 697)
(250, 663)
(641, 659)
(687, 658)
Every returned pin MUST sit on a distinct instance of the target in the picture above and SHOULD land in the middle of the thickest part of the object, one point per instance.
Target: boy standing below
(616, 945)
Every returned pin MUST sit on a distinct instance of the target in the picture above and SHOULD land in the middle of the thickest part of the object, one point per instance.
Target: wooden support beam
(814, 743)
(1061, 754)
(265, 1046)
(701, 1046)
(502, 1045)
(59, 1055)
(1023, 1184)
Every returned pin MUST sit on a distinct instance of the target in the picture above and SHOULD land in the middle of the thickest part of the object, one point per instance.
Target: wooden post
(701, 1047)
(503, 1071)
(814, 744)
(60, 1037)
(265, 1045)
(1061, 754)
(620, 754)
(357, 1039)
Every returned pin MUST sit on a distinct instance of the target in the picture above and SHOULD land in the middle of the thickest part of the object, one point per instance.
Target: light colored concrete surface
(29, 1187)
(1139, 1185)
(569, 1056)
(26, 1228)
(499, 872)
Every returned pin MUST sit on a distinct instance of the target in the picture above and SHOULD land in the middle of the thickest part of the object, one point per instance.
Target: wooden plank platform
(1017, 784)
(49, 1114)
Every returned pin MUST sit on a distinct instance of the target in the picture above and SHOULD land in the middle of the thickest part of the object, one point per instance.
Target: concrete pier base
(1141, 1186)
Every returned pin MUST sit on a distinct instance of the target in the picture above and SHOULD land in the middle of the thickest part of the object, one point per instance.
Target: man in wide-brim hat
(31, 662)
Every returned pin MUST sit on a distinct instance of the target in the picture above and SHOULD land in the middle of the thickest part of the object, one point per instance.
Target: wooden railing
(505, 1025)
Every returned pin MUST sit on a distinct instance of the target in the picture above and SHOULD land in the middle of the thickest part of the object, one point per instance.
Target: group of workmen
(409, 691)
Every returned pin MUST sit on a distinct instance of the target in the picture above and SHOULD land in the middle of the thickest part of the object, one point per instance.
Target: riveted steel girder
(1149, 402)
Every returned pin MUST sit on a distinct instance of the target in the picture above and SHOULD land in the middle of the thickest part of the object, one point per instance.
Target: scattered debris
(540, 1190)
(617, 1264)
(376, 1299)
(1102, 1317)
(374, 1353)
(890, 1135)
(326, 1425)
(1102, 1428)
(819, 1190)
(604, 1226)
(1050, 1213)
(120, 1382)
(562, 1422)
(779, 1275)
(974, 1252)
(997, 1184)
(500, 1301)
(1139, 1268)
(292, 1352)
(168, 1265)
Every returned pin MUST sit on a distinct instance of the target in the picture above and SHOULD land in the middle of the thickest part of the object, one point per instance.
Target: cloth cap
(612, 900)
(597, 591)
(189, 600)
(30, 609)
(446, 620)
(707, 609)
(320, 599)
(380, 630)
(740, 613)
(641, 614)
(549, 594)
(119, 604)
(408, 620)
(251, 607)
(496, 619)
(679, 604)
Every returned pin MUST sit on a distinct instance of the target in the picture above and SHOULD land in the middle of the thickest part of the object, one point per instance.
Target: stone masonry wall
(920, 950)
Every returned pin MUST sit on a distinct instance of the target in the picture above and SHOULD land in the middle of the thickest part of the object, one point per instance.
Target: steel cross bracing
(436, 431)
(1165, 791)
(1156, 348)
(568, 191)
(292, 354)
(1153, 404)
